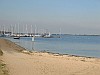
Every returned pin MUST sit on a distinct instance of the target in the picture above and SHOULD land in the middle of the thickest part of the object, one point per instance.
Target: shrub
(1, 53)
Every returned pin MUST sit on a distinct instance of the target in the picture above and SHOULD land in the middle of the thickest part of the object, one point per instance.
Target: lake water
(67, 44)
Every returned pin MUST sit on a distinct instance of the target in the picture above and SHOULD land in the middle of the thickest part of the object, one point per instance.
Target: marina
(81, 45)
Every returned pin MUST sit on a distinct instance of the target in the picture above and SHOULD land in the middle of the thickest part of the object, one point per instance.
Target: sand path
(46, 64)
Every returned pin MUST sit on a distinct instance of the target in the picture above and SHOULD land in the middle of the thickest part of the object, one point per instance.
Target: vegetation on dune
(1, 53)
(3, 69)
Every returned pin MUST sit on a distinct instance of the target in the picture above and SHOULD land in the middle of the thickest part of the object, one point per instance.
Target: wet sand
(22, 62)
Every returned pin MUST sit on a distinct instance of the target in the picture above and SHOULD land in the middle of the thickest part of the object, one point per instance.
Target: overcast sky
(72, 16)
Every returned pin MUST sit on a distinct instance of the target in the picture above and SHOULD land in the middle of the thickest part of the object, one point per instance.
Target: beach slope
(21, 62)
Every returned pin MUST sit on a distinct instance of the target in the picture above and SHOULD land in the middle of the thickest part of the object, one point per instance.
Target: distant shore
(20, 61)
(79, 34)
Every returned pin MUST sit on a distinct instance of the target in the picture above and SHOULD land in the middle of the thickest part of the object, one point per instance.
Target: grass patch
(3, 69)
(1, 53)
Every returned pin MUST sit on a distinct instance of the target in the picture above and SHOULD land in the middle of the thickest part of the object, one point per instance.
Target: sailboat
(18, 35)
(47, 35)
(36, 34)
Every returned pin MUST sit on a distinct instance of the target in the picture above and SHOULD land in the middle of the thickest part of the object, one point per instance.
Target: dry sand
(38, 63)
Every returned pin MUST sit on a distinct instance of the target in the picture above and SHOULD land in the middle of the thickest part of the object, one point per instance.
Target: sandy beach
(22, 62)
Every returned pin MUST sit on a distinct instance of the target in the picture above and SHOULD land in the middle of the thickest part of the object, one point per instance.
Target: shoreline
(20, 61)
(52, 52)
(26, 51)
(67, 54)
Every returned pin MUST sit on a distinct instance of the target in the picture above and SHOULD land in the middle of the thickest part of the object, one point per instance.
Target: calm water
(67, 44)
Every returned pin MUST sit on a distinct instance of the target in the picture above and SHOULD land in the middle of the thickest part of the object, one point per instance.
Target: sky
(71, 16)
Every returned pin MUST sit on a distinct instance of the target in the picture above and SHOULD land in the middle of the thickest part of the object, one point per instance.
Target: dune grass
(3, 69)
(1, 53)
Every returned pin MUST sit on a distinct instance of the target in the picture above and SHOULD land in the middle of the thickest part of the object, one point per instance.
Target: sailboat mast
(35, 30)
(11, 29)
(4, 29)
(18, 30)
(31, 30)
(26, 30)
(60, 33)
